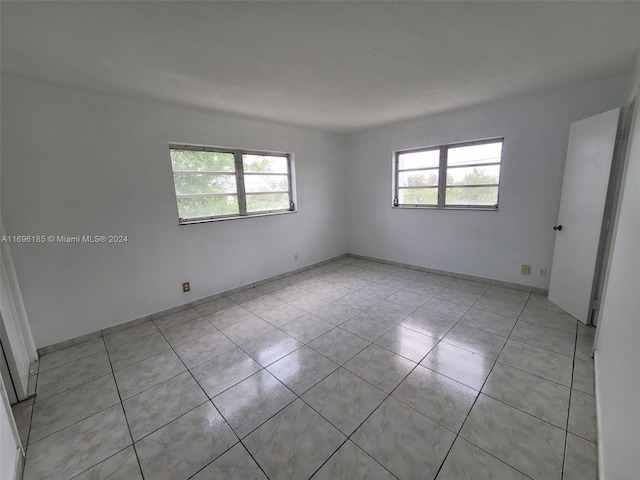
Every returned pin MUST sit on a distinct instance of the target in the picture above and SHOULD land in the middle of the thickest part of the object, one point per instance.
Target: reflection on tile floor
(352, 369)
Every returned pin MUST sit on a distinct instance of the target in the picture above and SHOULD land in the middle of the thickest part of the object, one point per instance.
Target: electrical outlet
(295, 257)
(186, 287)
(542, 272)
(525, 269)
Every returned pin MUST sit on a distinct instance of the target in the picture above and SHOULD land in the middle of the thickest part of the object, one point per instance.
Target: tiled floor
(350, 370)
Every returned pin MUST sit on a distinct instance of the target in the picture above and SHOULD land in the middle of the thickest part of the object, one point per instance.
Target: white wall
(77, 162)
(618, 341)
(481, 243)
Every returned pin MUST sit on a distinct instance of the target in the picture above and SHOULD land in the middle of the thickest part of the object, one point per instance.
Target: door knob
(558, 227)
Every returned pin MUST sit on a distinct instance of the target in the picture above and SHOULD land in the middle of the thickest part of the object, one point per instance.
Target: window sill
(415, 207)
(236, 217)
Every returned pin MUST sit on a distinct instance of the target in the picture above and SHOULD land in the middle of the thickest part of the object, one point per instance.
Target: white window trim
(240, 187)
(442, 176)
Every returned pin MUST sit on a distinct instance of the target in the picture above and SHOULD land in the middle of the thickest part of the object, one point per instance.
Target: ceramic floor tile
(138, 377)
(76, 448)
(409, 299)
(409, 273)
(469, 286)
(436, 279)
(584, 349)
(367, 326)
(359, 300)
(272, 286)
(123, 465)
(582, 415)
(235, 463)
(282, 314)
(72, 374)
(350, 463)
(543, 337)
(583, 377)
(302, 369)
(406, 342)
(205, 348)
(246, 295)
(388, 269)
(295, 278)
(380, 367)
(489, 322)
(70, 354)
(294, 443)
(335, 291)
(213, 306)
(271, 346)
(412, 445)
(307, 328)
(540, 301)
(538, 361)
(394, 282)
(427, 324)
(335, 313)
(353, 283)
(248, 329)
(477, 341)
(510, 295)
(331, 277)
(125, 354)
(22, 416)
(129, 334)
(186, 445)
(344, 399)
(339, 345)
(534, 395)
(261, 304)
(224, 371)
(581, 462)
(228, 316)
(424, 288)
(252, 402)
(188, 331)
(450, 295)
(546, 318)
(175, 318)
(313, 284)
(440, 398)
(467, 462)
(389, 311)
(378, 290)
(289, 293)
(71, 406)
(526, 443)
(159, 405)
(371, 275)
(447, 310)
(462, 365)
(310, 302)
(499, 307)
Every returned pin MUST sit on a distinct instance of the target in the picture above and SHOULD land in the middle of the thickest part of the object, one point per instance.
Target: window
(213, 183)
(461, 175)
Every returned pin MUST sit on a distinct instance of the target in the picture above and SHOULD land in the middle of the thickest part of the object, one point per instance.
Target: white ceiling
(341, 66)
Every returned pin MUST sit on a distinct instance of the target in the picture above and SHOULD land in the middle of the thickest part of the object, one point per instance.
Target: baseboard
(194, 303)
(598, 416)
(19, 465)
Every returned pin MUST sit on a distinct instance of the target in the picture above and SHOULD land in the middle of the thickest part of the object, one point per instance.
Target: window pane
(473, 175)
(485, 153)
(202, 161)
(266, 183)
(204, 183)
(430, 158)
(418, 196)
(418, 178)
(207, 206)
(264, 163)
(267, 201)
(472, 196)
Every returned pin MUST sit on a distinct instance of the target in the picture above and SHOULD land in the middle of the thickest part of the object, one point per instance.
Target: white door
(584, 192)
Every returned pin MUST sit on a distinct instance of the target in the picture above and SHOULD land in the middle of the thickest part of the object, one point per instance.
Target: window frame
(241, 194)
(442, 168)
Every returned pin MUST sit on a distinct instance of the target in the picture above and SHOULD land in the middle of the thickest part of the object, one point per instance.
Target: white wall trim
(598, 416)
